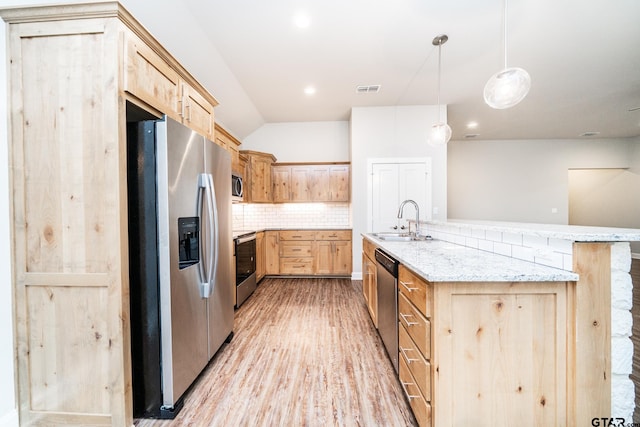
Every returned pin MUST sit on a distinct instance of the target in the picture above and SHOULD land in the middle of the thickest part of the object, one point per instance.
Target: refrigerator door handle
(213, 222)
(203, 191)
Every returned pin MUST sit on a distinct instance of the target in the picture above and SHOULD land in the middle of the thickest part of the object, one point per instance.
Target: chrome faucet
(417, 232)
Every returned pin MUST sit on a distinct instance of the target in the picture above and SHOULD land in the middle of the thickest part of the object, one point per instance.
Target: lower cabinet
(308, 252)
(499, 353)
(369, 280)
(260, 256)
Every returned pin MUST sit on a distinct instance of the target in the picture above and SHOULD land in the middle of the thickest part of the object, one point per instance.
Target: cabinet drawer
(421, 409)
(417, 326)
(416, 289)
(295, 249)
(296, 266)
(419, 367)
(297, 235)
(369, 248)
(333, 235)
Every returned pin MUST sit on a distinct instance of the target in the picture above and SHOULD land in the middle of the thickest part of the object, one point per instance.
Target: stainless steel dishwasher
(387, 272)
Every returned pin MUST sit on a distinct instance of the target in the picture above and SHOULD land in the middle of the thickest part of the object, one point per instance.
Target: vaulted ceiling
(583, 58)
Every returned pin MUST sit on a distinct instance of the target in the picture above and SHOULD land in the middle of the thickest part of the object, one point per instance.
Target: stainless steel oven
(245, 255)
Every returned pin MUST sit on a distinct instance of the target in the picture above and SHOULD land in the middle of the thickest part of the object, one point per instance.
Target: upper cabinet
(298, 182)
(227, 141)
(154, 78)
(258, 177)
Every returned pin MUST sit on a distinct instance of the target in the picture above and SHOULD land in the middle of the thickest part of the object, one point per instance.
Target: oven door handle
(246, 238)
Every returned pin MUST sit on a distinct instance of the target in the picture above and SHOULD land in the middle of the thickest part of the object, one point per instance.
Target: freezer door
(183, 313)
(221, 301)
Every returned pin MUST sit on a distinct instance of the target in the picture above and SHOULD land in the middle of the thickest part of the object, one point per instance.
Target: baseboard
(635, 256)
(10, 419)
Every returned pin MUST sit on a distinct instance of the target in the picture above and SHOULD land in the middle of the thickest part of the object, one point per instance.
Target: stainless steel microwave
(237, 190)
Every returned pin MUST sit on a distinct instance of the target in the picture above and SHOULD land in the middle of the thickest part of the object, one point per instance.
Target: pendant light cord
(504, 35)
(439, 73)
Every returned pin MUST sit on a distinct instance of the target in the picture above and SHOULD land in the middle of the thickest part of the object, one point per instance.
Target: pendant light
(440, 133)
(509, 86)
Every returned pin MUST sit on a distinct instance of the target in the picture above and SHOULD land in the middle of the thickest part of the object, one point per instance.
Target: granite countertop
(439, 261)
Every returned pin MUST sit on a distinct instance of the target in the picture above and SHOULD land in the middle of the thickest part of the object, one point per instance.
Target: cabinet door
(272, 250)
(260, 180)
(260, 256)
(370, 287)
(197, 113)
(324, 257)
(342, 257)
(339, 183)
(148, 77)
(300, 183)
(320, 183)
(281, 176)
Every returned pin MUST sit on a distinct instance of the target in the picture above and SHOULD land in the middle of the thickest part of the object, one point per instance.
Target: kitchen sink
(399, 237)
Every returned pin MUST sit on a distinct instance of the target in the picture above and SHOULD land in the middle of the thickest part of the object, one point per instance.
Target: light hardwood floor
(305, 353)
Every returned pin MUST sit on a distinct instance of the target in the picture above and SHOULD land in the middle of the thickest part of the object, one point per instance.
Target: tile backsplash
(253, 216)
(547, 251)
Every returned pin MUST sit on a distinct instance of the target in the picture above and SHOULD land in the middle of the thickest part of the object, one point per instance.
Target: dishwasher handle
(385, 260)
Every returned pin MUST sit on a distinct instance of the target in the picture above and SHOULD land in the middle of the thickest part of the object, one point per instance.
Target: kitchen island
(518, 323)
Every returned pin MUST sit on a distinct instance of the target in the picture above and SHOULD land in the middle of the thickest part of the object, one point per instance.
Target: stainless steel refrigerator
(181, 260)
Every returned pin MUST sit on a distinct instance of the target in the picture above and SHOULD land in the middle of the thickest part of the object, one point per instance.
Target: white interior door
(391, 182)
(384, 196)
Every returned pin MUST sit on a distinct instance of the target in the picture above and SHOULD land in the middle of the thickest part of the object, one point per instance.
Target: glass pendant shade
(507, 88)
(439, 135)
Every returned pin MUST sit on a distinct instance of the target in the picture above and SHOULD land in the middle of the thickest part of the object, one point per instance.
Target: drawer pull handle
(404, 353)
(407, 287)
(296, 250)
(404, 317)
(404, 387)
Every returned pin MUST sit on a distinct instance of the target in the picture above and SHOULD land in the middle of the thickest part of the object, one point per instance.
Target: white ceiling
(583, 57)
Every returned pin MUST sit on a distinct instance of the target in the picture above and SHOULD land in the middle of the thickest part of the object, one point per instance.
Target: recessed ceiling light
(309, 90)
(472, 125)
(590, 133)
(301, 20)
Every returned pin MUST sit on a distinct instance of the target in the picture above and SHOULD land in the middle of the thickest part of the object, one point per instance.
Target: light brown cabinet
(297, 252)
(369, 279)
(309, 252)
(153, 80)
(295, 182)
(333, 252)
(227, 141)
(490, 350)
(260, 256)
(258, 186)
(272, 253)
(73, 70)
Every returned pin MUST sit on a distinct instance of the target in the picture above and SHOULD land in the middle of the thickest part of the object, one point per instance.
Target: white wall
(302, 141)
(400, 131)
(524, 180)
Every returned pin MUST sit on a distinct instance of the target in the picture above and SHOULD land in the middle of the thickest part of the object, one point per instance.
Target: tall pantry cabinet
(72, 70)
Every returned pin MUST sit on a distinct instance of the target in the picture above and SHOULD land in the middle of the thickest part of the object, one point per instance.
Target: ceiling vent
(590, 134)
(471, 135)
(368, 89)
